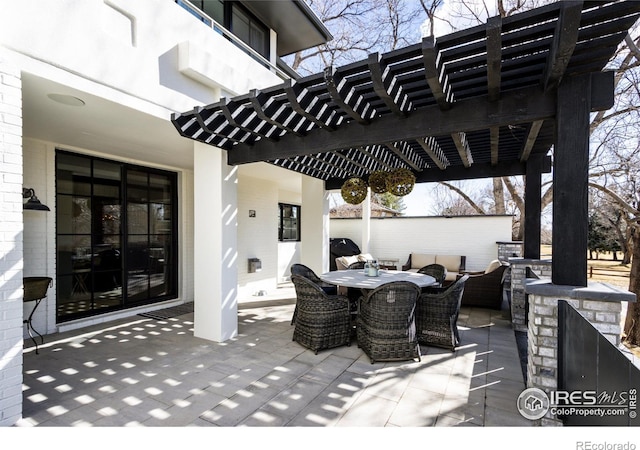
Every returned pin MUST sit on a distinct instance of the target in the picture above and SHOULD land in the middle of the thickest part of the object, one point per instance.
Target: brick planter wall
(599, 303)
(519, 266)
(511, 249)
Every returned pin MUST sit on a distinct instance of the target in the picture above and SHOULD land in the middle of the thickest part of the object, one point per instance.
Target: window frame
(93, 235)
(281, 220)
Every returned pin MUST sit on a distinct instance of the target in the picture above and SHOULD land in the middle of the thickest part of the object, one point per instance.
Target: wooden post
(570, 177)
(533, 207)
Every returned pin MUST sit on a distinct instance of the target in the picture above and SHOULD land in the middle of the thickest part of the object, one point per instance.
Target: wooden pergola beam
(434, 73)
(515, 107)
(402, 154)
(462, 144)
(296, 95)
(532, 135)
(432, 148)
(383, 81)
(346, 98)
(260, 103)
(494, 57)
(564, 43)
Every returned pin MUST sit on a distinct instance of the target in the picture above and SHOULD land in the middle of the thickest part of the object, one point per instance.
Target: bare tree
(359, 27)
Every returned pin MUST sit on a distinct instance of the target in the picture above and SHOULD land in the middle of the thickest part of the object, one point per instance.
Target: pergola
(489, 101)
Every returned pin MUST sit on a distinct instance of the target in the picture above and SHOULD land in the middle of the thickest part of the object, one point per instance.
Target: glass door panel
(116, 236)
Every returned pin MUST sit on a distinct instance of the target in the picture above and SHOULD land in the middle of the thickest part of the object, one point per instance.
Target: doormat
(168, 313)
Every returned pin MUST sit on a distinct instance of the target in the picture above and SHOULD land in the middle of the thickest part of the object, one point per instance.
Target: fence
(599, 377)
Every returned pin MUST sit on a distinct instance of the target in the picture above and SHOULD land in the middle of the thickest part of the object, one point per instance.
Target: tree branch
(464, 196)
(619, 200)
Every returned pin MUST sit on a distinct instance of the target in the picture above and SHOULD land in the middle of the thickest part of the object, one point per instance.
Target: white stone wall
(518, 276)
(11, 236)
(475, 237)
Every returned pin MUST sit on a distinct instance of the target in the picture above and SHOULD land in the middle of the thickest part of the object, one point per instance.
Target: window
(289, 224)
(249, 30)
(235, 18)
(116, 236)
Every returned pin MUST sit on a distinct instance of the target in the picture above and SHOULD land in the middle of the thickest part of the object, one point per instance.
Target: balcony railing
(215, 26)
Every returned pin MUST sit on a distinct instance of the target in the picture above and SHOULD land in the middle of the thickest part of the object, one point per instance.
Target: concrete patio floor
(141, 372)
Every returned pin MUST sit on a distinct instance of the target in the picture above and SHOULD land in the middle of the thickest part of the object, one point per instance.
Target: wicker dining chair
(356, 265)
(437, 271)
(386, 328)
(302, 270)
(322, 320)
(437, 315)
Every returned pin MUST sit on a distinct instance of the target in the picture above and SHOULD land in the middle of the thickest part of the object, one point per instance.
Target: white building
(141, 218)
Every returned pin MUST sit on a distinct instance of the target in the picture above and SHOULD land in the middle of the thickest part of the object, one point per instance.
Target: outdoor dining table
(356, 278)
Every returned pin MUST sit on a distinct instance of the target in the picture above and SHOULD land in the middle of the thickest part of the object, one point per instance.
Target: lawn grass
(604, 269)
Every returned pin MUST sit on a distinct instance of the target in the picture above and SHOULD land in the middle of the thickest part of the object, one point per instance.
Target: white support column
(215, 244)
(366, 223)
(314, 248)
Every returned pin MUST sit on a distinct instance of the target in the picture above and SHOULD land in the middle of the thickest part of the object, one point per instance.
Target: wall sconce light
(33, 203)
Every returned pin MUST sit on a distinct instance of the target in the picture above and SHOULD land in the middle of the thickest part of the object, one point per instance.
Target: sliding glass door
(116, 235)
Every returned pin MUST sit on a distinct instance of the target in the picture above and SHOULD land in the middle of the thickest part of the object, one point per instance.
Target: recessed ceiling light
(66, 99)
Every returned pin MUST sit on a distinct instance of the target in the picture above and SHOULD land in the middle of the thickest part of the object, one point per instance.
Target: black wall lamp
(33, 203)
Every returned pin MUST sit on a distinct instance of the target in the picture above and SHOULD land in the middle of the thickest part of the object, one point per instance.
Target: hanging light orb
(400, 182)
(378, 181)
(354, 190)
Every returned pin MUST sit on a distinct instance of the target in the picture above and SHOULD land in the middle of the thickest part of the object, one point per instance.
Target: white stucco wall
(258, 235)
(119, 43)
(472, 236)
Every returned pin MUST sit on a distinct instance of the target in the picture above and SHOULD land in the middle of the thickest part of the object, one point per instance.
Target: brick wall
(519, 266)
(508, 250)
(11, 229)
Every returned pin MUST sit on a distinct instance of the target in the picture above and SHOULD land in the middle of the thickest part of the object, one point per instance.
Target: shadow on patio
(146, 372)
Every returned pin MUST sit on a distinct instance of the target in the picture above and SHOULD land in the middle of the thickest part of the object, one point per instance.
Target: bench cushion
(451, 262)
(345, 261)
(419, 260)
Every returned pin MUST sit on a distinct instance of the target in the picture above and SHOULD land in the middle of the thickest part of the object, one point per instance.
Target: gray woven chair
(437, 315)
(304, 271)
(485, 289)
(437, 271)
(386, 322)
(356, 265)
(322, 320)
